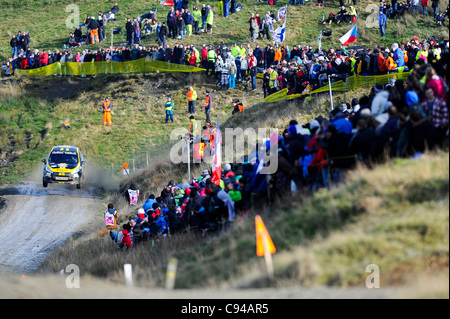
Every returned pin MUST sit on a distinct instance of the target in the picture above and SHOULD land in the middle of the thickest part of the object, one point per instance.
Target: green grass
(303, 24)
(395, 216)
(32, 114)
(325, 239)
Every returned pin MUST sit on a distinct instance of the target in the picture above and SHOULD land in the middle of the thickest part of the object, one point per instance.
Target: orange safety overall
(107, 113)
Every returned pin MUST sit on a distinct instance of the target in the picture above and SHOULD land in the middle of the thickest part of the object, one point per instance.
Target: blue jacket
(149, 204)
(382, 19)
(399, 58)
(343, 125)
(189, 19)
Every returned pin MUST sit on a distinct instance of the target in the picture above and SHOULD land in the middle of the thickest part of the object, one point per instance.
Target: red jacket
(204, 54)
(24, 63)
(192, 59)
(424, 3)
(126, 240)
(44, 58)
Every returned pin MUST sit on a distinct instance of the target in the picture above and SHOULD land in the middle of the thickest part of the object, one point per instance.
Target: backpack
(117, 238)
(133, 195)
(110, 220)
(217, 207)
(162, 224)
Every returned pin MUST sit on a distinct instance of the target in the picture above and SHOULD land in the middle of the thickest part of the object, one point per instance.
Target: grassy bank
(303, 23)
(33, 113)
(394, 216)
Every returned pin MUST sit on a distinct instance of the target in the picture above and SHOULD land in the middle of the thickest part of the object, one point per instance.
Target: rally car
(64, 165)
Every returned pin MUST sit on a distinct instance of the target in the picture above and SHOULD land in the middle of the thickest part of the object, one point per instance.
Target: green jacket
(235, 195)
(210, 17)
(234, 51)
(197, 15)
(211, 56)
(169, 107)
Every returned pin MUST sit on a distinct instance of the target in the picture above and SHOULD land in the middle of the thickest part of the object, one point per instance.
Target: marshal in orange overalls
(107, 113)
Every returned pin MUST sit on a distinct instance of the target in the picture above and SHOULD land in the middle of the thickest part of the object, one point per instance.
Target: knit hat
(378, 87)
(314, 124)
(365, 113)
(411, 97)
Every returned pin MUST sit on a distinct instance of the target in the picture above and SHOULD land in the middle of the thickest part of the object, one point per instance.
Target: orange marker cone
(263, 238)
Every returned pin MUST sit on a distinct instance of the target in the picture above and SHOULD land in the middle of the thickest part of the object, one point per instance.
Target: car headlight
(76, 172)
(47, 171)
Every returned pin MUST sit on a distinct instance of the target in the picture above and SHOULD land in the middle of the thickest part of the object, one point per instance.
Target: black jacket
(162, 32)
(130, 27)
(361, 143)
(14, 42)
(339, 151)
(93, 24)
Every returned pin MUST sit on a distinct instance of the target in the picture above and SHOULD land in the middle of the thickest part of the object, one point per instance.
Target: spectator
(382, 23)
(169, 109)
(111, 215)
(424, 4)
(435, 6)
(415, 6)
(436, 108)
(14, 46)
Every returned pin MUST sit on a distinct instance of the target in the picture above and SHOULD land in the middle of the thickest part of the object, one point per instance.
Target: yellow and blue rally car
(64, 165)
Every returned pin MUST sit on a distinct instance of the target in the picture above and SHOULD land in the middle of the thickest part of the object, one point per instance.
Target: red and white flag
(216, 168)
(166, 3)
(350, 36)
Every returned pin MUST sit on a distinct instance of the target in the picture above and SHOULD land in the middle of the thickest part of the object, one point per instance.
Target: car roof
(70, 147)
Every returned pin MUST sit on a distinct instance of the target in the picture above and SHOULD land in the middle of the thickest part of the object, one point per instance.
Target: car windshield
(69, 158)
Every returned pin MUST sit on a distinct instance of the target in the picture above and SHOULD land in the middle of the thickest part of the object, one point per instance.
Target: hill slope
(304, 23)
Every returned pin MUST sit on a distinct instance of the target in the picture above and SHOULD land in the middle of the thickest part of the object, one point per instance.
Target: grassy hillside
(46, 22)
(395, 216)
(33, 113)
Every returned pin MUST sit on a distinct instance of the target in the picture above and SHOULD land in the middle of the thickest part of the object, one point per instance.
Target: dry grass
(392, 221)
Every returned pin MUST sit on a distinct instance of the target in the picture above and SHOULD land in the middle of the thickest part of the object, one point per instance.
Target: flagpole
(189, 159)
(331, 93)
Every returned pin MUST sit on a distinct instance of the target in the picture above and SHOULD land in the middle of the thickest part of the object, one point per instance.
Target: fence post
(128, 275)
(112, 170)
(146, 154)
(171, 273)
(134, 169)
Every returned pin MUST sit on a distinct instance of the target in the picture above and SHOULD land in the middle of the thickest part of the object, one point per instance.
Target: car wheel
(80, 182)
(44, 184)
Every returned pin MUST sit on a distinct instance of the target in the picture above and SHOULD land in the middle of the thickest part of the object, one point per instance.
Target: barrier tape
(107, 67)
(352, 83)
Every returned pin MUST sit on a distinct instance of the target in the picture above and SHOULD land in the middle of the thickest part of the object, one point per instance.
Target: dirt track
(50, 287)
(36, 220)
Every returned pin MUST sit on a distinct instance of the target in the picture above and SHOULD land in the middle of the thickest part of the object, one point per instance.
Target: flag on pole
(350, 36)
(166, 3)
(279, 35)
(264, 244)
(216, 168)
(124, 167)
(282, 13)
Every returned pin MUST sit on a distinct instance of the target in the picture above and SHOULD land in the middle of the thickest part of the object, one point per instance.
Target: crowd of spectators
(399, 119)
(396, 120)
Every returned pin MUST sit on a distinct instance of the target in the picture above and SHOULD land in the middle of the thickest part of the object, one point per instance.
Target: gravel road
(36, 220)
